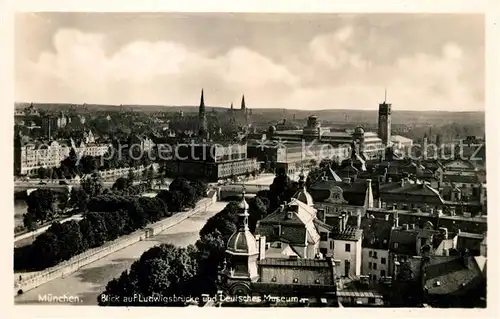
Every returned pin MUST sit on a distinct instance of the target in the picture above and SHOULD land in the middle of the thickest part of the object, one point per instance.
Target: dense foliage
(106, 217)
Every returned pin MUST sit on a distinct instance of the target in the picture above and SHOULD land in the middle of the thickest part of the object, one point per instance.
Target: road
(89, 281)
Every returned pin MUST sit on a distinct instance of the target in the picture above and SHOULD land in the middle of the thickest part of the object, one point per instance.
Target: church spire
(202, 117)
(202, 104)
(369, 194)
(243, 106)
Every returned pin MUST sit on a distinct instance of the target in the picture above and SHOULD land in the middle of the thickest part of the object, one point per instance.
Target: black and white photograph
(203, 159)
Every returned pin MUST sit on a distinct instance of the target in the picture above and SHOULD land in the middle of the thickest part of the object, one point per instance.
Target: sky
(294, 61)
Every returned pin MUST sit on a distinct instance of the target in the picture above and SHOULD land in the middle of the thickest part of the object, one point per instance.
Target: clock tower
(384, 122)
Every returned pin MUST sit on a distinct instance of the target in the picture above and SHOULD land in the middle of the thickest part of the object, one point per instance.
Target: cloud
(332, 70)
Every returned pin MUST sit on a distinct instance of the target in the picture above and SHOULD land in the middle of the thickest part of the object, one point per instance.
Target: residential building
(375, 248)
(291, 230)
(248, 271)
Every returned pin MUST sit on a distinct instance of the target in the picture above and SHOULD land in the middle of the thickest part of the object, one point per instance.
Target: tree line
(106, 216)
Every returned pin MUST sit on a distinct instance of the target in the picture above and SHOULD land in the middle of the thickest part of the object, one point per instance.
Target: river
(89, 281)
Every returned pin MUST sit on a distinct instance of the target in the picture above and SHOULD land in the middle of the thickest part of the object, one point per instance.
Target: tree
(211, 249)
(258, 208)
(42, 205)
(131, 175)
(29, 221)
(87, 165)
(163, 270)
(121, 183)
(98, 225)
(92, 185)
(44, 251)
(78, 199)
(282, 189)
(63, 201)
(42, 173)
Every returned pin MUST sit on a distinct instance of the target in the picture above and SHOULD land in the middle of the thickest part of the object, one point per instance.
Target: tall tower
(202, 117)
(241, 255)
(243, 106)
(384, 121)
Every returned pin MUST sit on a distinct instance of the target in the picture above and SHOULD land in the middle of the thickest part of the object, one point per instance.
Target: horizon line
(259, 108)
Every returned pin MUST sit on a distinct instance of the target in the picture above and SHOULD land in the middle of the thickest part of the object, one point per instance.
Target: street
(89, 281)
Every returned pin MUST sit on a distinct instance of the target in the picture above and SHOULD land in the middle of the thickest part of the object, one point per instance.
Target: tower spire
(243, 214)
(202, 117)
(243, 106)
(385, 95)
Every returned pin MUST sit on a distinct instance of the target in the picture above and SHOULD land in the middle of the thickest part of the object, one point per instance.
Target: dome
(272, 129)
(359, 130)
(304, 197)
(243, 204)
(242, 242)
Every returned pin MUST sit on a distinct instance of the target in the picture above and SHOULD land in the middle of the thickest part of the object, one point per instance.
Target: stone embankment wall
(32, 280)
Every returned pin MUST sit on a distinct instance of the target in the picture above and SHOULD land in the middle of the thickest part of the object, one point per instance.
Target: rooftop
(299, 262)
(348, 234)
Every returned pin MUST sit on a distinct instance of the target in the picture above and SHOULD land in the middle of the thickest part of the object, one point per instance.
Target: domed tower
(241, 255)
(303, 195)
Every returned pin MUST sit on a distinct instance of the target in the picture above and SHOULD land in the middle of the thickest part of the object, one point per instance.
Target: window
(369, 265)
(375, 254)
(347, 247)
(317, 281)
(382, 261)
(395, 245)
(382, 273)
(374, 266)
(331, 244)
(277, 230)
(295, 280)
(369, 254)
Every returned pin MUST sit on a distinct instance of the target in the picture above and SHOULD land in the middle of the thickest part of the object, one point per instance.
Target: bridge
(235, 190)
(30, 186)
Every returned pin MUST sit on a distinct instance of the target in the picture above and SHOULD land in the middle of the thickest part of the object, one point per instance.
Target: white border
(386, 6)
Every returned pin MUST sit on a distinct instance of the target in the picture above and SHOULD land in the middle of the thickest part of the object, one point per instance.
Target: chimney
(358, 220)
(333, 267)
(344, 221)
(412, 226)
(396, 219)
(402, 182)
(444, 232)
(321, 214)
(387, 217)
(431, 211)
(405, 226)
(261, 242)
